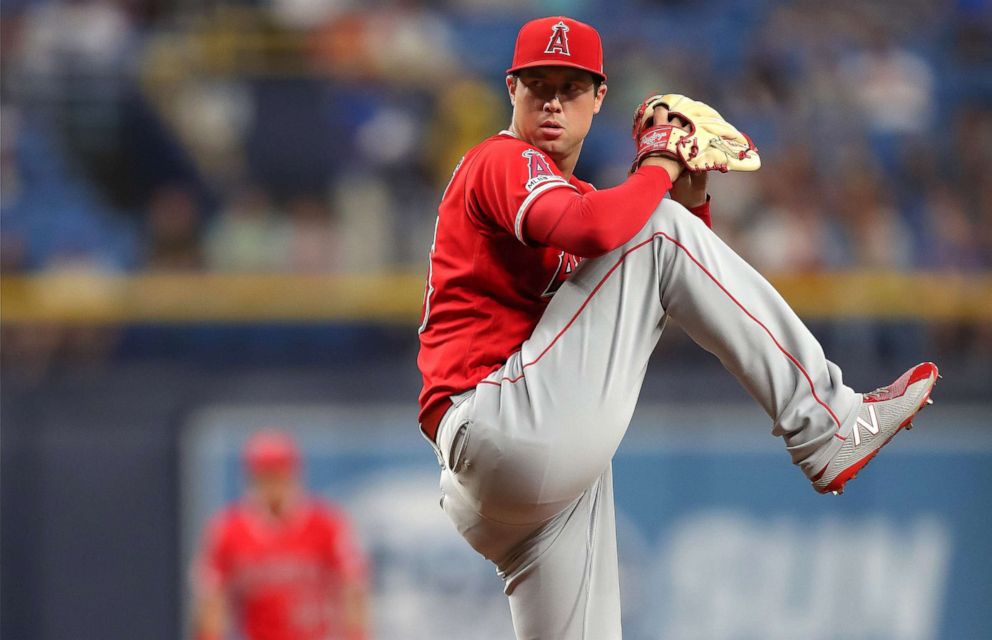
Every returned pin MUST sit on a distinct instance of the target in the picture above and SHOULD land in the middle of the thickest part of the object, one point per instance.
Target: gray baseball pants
(525, 456)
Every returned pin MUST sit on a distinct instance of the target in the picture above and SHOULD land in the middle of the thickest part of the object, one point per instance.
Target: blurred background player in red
(280, 564)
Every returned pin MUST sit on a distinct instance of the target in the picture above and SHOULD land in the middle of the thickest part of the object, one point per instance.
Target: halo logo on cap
(559, 40)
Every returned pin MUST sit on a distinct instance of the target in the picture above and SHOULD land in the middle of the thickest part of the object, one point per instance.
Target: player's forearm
(356, 612)
(598, 222)
(211, 618)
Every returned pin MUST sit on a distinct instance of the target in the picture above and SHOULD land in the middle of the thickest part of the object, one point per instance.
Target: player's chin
(552, 147)
(545, 146)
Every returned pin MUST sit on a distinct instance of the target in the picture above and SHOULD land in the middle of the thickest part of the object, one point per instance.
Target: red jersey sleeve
(212, 569)
(702, 211)
(503, 182)
(599, 221)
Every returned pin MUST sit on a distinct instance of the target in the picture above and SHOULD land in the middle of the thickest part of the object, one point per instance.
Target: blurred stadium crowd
(316, 135)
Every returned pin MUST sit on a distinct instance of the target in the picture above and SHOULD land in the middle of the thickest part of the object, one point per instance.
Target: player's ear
(600, 95)
(511, 87)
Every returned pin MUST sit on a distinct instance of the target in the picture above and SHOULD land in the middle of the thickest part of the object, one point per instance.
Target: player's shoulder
(226, 521)
(582, 185)
(326, 513)
(234, 514)
(506, 162)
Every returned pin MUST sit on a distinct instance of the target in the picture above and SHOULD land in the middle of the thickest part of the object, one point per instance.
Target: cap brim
(556, 62)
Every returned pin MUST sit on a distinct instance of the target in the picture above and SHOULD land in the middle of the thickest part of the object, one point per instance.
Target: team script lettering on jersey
(567, 263)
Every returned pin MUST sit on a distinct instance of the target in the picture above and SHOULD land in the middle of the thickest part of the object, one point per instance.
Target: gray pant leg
(567, 396)
(540, 431)
(730, 310)
(564, 582)
(561, 576)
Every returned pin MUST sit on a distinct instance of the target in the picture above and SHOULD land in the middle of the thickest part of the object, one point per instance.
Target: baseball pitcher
(545, 298)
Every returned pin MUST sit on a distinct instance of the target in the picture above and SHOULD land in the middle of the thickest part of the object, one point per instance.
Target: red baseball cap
(558, 42)
(271, 450)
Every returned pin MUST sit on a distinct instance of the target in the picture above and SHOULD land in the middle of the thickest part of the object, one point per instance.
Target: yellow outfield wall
(397, 297)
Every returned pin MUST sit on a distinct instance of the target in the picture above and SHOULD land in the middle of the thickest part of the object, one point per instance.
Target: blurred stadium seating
(215, 216)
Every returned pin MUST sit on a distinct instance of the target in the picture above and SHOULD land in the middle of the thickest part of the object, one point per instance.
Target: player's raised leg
(555, 413)
(558, 409)
(729, 309)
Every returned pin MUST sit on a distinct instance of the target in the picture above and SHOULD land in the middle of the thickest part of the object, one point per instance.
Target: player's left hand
(691, 132)
(690, 189)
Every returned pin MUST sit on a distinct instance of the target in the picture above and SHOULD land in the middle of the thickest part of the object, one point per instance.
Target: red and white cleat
(883, 413)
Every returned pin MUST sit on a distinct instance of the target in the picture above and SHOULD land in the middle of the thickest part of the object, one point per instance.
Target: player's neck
(275, 507)
(565, 163)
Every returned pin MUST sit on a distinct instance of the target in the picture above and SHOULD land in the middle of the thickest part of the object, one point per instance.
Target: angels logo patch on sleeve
(538, 170)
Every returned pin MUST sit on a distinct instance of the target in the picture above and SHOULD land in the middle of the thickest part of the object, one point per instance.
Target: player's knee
(671, 218)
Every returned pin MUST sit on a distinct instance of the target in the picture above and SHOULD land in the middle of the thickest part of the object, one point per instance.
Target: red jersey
(283, 577)
(486, 287)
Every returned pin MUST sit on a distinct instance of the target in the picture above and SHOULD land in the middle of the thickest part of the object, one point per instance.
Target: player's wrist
(702, 203)
(671, 166)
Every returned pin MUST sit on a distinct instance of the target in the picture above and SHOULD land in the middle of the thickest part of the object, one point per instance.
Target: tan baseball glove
(705, 142)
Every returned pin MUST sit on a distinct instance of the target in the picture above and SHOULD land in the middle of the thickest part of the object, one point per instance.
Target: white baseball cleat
(883, 413)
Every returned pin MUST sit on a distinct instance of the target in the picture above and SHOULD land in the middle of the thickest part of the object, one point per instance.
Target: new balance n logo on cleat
(861, 422)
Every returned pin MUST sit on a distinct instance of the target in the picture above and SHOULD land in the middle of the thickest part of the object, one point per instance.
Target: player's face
(553, 109)
(275, 488)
